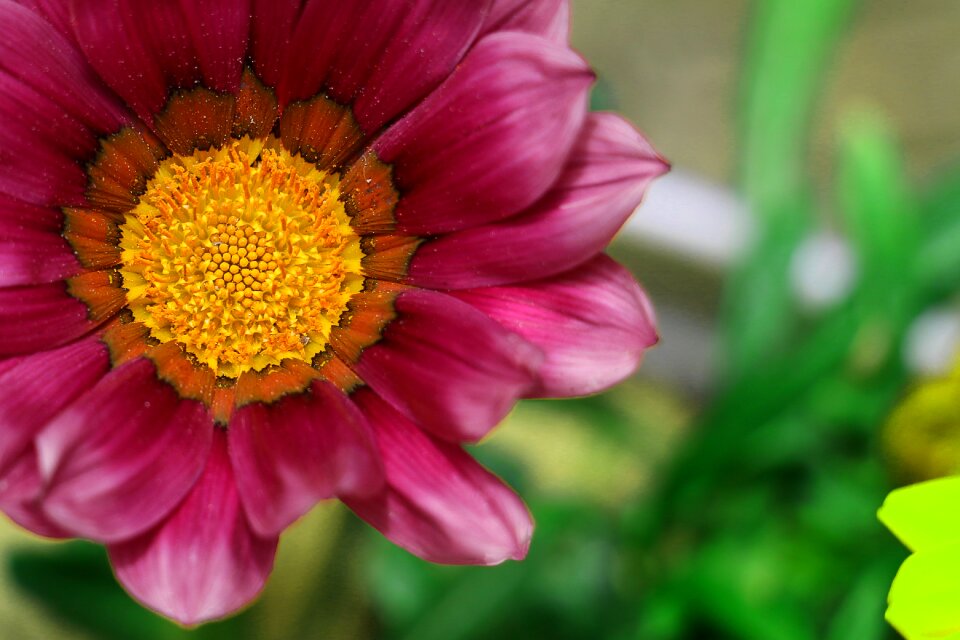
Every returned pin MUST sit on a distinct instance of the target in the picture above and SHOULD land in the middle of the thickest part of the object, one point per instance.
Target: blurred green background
(804, 257)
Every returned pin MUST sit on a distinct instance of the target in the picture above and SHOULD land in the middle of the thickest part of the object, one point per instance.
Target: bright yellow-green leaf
(923, 599)
(925, 517)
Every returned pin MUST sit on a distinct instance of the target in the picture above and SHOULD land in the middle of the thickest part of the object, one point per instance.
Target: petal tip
(516, 547)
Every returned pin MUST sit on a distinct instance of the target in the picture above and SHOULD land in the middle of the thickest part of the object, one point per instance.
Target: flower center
(244, 255)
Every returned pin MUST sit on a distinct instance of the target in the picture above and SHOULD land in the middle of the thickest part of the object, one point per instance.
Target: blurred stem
(788, 48)
(880, 221)
(938, 264)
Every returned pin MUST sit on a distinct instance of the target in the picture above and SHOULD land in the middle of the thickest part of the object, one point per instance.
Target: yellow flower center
(244, 255)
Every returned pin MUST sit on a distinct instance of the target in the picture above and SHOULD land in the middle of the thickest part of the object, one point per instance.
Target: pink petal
(203, 562)
(547, 18)
(219, 31)
(381, 56)
(271, 30)
(604, 180)
(6, 364)
(593, 324)
(449, 367)
(302, 449)
(56, 12)
(492, 139)
(32, 251)
(21, 491)
(142, 49)
(32, 52)
(40, 317)
(52, 110)
(39, 386)
(423, 50)
(123, 455)
(439, 503)
(34, 258)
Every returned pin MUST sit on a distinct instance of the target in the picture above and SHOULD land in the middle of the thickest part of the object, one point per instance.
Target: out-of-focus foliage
(922, 436)
(753, 520)
(773, 497)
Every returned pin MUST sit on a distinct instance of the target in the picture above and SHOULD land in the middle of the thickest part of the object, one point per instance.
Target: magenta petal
(39, 386)
(381, 56)
(271, 31)
(40, 317)
(142, 49)
(32, 170)
(34, 258)
(21, 491)
(123, 455)
(423, 50)
(52, 109)
(449, 367)
(203, 562)
(439, 503)
(32, 250)
(606, 177)
(593, 324)
(6, 364)
(119, 55)
(56, 12)
(218, 31)
(492, 139)
(302, 449)
(34, 53)
(547, 18)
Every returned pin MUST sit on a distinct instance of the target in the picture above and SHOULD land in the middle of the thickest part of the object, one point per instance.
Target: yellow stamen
(244, 255)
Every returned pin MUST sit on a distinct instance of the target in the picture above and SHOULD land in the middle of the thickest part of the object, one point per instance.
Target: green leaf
(879, 215)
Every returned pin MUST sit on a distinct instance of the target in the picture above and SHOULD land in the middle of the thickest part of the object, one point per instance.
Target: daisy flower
(260, 253)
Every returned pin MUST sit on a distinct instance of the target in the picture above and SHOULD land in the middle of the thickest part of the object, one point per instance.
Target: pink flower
(261, 253)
